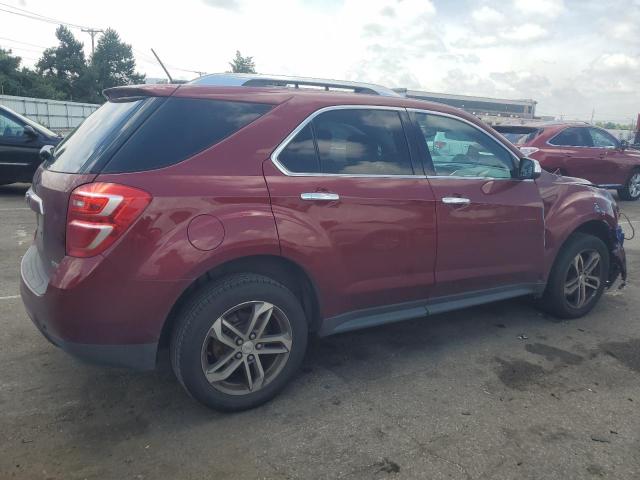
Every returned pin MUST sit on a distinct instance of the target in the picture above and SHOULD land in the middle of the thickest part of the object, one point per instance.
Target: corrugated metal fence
(59, 116)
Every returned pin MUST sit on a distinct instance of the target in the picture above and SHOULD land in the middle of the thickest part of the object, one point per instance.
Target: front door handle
(456, 201)
(320, 196)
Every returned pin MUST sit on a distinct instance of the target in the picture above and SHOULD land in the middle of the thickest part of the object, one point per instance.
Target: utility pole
(162, 65)
(93, 32)
(593, 112)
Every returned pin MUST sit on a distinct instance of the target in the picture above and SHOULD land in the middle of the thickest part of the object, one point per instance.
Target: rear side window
(300, 156)
(179, 129)
(92, 137)
(572, 137)
(350, 142)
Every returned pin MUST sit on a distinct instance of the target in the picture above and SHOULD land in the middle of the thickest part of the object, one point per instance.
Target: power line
(36, 16)
(22, 43)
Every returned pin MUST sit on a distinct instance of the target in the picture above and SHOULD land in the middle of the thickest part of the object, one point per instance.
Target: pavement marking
(10, 297)
(13, 208)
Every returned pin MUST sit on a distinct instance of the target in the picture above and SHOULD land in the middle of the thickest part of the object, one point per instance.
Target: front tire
(631, 189)
(578, 277)
(239, 341)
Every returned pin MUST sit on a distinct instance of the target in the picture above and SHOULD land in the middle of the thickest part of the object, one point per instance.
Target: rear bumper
(82, 310)
(138, 357)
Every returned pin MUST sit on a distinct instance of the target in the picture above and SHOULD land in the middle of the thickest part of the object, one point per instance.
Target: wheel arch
(278, 268)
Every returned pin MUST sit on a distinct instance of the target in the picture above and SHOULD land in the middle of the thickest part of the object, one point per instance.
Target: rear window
(519, 135)
(180, 128)
(87, 142)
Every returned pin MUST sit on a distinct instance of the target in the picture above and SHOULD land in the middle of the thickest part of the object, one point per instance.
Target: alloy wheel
(583, 278)
(246, 348)
(634, 185)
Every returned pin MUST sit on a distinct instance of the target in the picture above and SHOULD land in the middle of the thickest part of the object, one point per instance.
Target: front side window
(602, 139)
(460, 149)
(572, 137)
(350, 142)
(10, 129)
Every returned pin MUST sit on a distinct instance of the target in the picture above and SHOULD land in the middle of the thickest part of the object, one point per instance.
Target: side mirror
(46, 153)
(29, 131)
(624, 144)
(530, 169)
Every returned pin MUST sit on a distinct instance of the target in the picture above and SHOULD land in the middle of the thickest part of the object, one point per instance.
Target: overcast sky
(571, 56)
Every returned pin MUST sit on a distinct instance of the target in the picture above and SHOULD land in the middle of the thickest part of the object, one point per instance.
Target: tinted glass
(362, 142)
(299, 156)
(10, 129)
(459, 149)
(602, 139)
(92, 137)
(572, 137)
(180, 128)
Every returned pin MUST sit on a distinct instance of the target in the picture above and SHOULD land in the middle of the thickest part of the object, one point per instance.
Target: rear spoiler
(128, 92)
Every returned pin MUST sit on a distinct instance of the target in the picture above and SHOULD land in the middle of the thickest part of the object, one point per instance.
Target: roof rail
(256, 80)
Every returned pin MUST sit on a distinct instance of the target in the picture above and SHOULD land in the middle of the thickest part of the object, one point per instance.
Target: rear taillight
(99, 213)
(526, 151)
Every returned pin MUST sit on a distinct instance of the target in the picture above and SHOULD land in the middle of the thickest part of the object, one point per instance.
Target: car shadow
(14, 189)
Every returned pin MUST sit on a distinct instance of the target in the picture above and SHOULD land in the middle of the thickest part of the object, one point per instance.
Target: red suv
(580, 150)
(229, 223)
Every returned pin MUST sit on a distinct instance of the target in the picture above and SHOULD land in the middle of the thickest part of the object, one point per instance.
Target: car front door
(615, 165)
(18, 150)
(581, 160)
(352, 209)
(490, 223)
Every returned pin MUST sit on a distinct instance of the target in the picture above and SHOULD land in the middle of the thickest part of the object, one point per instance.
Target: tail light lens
(98, 214)
(526, 151)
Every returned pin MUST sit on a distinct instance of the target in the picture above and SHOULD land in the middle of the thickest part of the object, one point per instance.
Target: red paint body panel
(482, 245)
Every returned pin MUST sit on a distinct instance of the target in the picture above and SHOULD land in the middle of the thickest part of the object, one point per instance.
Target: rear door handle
(456, 201)
(320, 196)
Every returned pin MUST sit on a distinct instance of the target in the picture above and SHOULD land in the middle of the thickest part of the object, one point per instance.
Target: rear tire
(631, 189)
(578, 277)
(239, 341)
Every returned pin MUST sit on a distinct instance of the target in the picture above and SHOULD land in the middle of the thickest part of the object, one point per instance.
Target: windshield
(92, 137)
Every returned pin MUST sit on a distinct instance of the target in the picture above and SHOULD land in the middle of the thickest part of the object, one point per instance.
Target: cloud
(224, 4)
(546, 8)
(524, 33)
(487, 16)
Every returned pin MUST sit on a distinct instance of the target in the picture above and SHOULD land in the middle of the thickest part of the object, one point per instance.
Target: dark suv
(229, 223)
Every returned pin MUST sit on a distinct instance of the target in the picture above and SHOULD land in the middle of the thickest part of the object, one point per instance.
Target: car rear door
(490, 223)
(352, 208)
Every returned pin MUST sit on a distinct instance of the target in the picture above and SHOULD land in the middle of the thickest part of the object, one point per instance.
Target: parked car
(580, 150)
(229, 223)
(20, 142)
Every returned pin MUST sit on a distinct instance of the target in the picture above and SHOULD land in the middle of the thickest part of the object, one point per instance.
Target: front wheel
(631, 189)
(578, 277)
(239, 341)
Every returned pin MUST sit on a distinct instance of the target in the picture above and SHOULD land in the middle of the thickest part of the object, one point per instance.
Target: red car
(580, 150)
(229, 223)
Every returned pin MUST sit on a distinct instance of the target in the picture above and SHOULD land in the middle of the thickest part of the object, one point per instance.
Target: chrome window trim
(488, 134)
(308, 119)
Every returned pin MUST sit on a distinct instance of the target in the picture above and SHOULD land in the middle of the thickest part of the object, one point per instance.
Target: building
(479, 106)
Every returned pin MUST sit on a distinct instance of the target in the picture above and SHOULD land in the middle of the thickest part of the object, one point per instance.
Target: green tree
(65, 64)
(242, 64)
(16, 80)
(112, 65)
